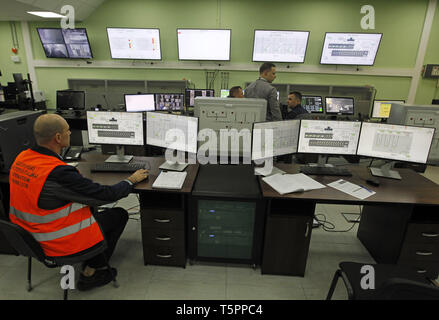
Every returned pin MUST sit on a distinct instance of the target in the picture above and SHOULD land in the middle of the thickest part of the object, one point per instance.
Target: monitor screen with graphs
(159, 125)
(280, 45)
(395, 142)
(312, 104)
(204, 44)
(134, 43)
(285, 137)
(118, 128)
(350, 48)
(329, 137)
(381, 108)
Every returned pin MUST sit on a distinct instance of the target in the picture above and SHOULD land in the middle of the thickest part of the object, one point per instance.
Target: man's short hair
(266, 67)
(297, 94)
(234, 90)
(46, 127)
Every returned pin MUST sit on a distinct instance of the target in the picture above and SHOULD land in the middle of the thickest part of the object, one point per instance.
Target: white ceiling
(16, 10)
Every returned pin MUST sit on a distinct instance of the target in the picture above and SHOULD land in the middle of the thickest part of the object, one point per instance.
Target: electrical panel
(422, 116)
(431, 71)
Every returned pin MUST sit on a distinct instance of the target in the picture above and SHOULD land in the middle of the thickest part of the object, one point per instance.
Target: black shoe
(98, 279)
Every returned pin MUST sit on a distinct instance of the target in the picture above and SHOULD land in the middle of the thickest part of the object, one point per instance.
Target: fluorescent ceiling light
(46, 14)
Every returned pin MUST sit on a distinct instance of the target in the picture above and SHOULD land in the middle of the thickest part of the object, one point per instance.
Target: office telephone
(72, 153)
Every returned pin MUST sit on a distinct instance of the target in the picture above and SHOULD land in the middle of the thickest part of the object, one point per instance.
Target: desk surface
(412, 189)
(109, 178)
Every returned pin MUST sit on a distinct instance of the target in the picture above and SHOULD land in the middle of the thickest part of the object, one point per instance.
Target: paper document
(267, 171)
(287, 183)
(355, 190)
(170, 180)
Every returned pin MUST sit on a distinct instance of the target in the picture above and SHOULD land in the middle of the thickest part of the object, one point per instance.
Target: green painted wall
(7, 67)
(400, 21)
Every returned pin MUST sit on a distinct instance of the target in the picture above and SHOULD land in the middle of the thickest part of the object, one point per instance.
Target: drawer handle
(421, 271)
(163, 238)
(424, 253)
(430, 235)
(164, 256)
(162, 221)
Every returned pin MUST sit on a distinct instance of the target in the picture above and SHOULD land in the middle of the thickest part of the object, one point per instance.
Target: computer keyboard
(325, 171)
(118, 167)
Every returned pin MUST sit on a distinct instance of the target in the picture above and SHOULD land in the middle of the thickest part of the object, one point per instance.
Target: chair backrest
(21, 240)
(403, 289)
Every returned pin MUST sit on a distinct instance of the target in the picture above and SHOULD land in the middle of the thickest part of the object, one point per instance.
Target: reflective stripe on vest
(65, 231)
(33, 218)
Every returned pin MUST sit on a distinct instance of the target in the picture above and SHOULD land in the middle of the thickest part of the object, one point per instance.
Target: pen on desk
(366, 189)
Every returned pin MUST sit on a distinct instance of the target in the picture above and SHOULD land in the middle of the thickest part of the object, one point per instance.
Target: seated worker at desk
(236, 92)
(294, 105)
(52, 200)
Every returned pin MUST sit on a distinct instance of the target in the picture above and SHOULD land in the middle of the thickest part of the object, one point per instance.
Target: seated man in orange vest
(53, 201)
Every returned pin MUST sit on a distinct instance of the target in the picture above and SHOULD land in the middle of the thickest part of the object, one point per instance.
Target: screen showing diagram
(329, 137)
(118, 128)
(285, 136)
(159, 124)
(350, 48)
(280, 46)
(395, 142)
(128, 43)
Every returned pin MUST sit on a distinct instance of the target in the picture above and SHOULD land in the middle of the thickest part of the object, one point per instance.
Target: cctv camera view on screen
(65, 43)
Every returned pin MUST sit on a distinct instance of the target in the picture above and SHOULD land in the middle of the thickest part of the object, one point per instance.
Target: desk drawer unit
(420, 248)
(163, 236)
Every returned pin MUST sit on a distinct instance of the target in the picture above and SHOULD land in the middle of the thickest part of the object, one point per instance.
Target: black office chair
(23, 242)
(392, 282)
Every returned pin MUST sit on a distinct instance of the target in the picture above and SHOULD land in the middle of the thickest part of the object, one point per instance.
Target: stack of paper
(170, 180)
(287, 183)
(352, 189)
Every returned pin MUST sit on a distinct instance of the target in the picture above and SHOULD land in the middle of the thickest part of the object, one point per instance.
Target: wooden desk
(163, 213)
(399, 224)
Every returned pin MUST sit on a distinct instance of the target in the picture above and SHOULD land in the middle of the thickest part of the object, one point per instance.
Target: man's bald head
(47, 126)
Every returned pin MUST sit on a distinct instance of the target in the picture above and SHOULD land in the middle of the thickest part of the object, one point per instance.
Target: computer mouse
(373, 181)
(299, 190)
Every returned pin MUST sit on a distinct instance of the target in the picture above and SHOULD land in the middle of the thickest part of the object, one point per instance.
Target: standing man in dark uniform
(263, 89)
(294, 105)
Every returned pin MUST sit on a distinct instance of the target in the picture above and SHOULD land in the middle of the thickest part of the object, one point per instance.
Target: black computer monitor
(339, 105)
(312, 104)
(190, 95)
(65, 43)
(169, 101)
(70, 100)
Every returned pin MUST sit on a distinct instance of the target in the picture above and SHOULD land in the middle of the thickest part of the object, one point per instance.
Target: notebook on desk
(170, 180)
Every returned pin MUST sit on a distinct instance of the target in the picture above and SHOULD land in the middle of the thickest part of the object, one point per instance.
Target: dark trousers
(112, 223)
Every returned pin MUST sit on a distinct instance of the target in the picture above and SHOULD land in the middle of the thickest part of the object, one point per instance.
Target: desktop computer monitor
(70, 100)
(394, 142)
(312, 104)
(342, 105)
(191, 94)
(169, 102)
(285, 138)
(119, 128)
(19, 82)
(225, 114)
(329, 137)
(139, 102)
(224, 93)
(381, 108)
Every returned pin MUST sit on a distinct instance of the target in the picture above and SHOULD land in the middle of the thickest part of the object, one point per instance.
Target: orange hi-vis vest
(60, 232)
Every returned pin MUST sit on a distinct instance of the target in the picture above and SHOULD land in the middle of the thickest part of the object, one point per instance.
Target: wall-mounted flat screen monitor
(136, 44)
(280, 46)
(204, 44)
(350, 48)
(65, 43)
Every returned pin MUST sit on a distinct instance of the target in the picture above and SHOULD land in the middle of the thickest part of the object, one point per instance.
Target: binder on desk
(288, 183)
(170, 180)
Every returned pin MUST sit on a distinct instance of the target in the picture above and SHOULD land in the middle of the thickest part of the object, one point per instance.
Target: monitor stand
(119, 157)
(323, 168)
(385, 171)
(173, 166)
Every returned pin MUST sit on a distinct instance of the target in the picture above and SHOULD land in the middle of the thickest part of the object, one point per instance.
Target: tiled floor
(201, 280)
